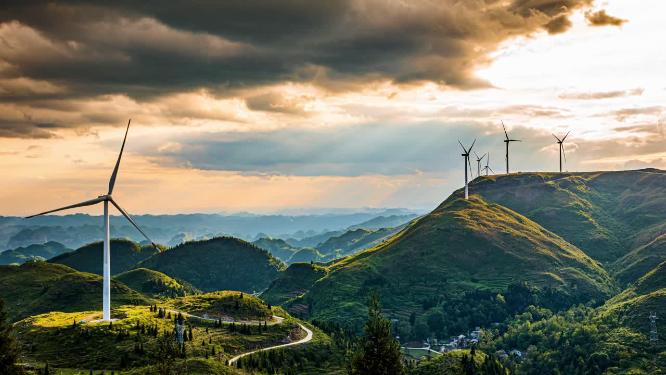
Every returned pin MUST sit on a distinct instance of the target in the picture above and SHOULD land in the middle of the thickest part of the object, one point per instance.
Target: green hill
(306, 255)
(605, 214)
(33, 252)
(640, 260)
(155, 283)
(223, 263)
(463, 245)
(293, 282)
(353, 241)
(38, 287)
(125, 255)
(224, 304)
(277, 247)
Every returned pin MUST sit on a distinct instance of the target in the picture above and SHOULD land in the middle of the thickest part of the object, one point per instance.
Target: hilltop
(125, 255)
(227, 305)
(606, 214)
(38, 287)
(33, 252)
(223, 263)
(463, 245)
(155, 284)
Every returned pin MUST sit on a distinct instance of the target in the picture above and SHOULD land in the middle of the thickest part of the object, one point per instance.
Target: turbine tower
(465, 155)
(106, 199)
(487, 167)
(508, 140)
(560, 142)
(478, 163)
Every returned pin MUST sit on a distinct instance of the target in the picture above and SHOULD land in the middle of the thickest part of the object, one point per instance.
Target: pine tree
(379, 352)
(8, 348)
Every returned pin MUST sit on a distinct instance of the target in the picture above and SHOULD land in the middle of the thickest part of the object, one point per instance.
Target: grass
(439, 255)
(38, 287)
(155, 284)
(223, 304)
(53, 337)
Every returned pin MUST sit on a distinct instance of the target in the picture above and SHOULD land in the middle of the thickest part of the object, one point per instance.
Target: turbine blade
(558, 140)
(491, 169)
(461, 145)
(129, 218)
(477, 156)
(470, 167)
(112, 181)
(565, 137)
(488, 160)
(484, 155)
(505, 133)
(82, 204)
(564, 153)
(472, 146)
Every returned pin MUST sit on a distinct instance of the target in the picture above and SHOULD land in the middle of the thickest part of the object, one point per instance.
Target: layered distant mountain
(33, 252)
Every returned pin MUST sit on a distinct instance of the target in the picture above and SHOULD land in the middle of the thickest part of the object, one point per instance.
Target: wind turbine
(106, 199)
(467, 163)
(487, 167)
(560, 142)
(508, 140)
(478, 163)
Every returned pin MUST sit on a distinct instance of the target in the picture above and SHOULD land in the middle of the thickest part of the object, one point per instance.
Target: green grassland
(155, 284)
(130, 342)
(279, 248)
(125, 255)
(462, 245)
(223, 304)
(223, 263)
(38, 287)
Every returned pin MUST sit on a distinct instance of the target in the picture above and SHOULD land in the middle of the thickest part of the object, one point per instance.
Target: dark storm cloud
(601, 18)
(145, 48)
(70, 50)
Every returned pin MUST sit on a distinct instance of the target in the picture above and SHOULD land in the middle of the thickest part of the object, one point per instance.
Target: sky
(299, 105)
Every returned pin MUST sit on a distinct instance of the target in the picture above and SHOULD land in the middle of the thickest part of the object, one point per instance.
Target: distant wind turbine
(487, 167)
(106, 286)
(467, 163)
(478, 163)
(508, 140)
(560, 142)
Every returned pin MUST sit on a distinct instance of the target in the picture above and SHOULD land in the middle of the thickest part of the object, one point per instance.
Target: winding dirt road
(306, 339)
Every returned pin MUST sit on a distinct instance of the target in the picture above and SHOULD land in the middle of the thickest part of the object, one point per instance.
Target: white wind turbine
(465, 155)
(487, 167)
(478, 163)
(106, 287)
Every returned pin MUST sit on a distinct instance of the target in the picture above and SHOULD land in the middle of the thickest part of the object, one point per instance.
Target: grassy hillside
(132, 343)
(155, 284)
(223, 263)
(223, 304)
(306, 255)
(293, 282)
(39, 287)
(460, 246)
(32, 252)
(640, 260)
(125, 255)
(353, 241)
(605, 214)
(277, 247)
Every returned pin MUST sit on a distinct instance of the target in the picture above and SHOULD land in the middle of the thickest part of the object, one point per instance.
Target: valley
(532, 260)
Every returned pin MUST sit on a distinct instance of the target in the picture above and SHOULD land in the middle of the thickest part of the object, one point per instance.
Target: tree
(8, 348)
(379, 352)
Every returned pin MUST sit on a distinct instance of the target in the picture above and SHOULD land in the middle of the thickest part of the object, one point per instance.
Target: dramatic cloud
(601, 18)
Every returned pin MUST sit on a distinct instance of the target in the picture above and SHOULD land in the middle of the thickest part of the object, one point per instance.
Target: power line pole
(653, 328)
